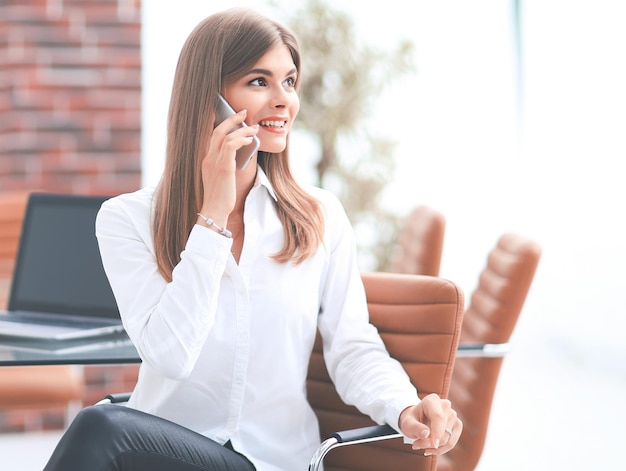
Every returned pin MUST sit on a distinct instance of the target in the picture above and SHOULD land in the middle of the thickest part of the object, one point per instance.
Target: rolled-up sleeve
(358, 362)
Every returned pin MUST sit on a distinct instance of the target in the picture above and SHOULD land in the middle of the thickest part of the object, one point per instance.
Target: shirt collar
(261, 179)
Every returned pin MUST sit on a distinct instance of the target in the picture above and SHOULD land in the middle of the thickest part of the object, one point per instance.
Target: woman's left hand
(433, 424)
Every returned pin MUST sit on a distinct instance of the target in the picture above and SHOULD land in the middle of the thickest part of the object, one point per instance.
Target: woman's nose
(280, 98)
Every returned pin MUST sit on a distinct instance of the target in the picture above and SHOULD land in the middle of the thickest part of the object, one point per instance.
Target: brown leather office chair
(12, 207)
(419, 318)
(420, 243)
(30, 387)
(488, 323)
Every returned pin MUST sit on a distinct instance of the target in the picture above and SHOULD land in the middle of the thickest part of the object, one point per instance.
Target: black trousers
(116, 438)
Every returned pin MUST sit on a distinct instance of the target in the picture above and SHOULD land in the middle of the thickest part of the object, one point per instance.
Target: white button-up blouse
(225, 346)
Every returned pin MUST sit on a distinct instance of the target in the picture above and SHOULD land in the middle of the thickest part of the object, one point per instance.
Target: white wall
(557, 179)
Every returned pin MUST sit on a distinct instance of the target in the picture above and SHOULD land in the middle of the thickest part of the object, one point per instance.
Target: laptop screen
(58, 267)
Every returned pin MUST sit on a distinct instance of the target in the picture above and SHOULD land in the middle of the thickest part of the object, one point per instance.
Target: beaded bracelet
(222, 230)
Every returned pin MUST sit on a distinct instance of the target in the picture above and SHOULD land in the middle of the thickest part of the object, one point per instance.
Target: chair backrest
(419, 318)
(494, 309)
(420, 243)
(12, 209)
(41, 387)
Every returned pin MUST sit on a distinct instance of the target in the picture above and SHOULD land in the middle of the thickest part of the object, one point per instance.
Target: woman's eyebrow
(269, 73)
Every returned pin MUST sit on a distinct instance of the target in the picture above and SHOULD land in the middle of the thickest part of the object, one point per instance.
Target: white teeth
(273, 124)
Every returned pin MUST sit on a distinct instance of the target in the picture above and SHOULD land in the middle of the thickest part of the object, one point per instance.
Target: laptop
(101, 345)
(59, 289)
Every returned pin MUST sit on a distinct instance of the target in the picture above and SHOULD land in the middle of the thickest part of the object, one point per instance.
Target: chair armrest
(482, 350)
(351, 437)
(114, 398)
(385, 432)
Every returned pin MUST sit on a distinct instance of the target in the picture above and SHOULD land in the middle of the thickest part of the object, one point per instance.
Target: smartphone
(245, 153)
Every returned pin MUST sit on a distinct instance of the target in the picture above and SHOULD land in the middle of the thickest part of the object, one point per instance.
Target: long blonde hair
(221, 49)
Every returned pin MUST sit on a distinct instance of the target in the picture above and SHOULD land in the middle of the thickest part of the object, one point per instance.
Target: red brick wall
(70, 95)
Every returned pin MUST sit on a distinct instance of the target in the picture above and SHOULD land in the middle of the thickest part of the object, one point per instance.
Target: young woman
(222, 277)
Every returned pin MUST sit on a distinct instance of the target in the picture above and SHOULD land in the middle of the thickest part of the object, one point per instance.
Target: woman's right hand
(219, 167)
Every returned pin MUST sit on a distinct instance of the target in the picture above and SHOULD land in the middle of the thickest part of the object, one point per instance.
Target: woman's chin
(272, 149)
(274, 144)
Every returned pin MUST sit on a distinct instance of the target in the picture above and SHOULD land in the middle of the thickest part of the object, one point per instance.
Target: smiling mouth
(273, 124)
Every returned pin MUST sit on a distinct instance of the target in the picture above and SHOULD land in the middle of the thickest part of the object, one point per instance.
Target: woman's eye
(290, 82)
(259, 82)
